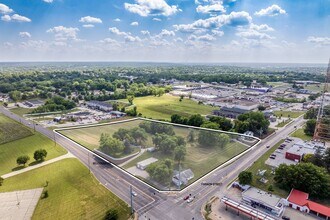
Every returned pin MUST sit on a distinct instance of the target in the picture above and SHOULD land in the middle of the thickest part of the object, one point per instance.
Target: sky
(202, 31)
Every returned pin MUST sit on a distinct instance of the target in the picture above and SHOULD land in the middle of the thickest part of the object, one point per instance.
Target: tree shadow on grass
(35, 162)
(18, 168)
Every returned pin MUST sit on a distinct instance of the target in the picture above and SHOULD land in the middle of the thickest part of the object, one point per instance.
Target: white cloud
(135, 23)
(89, 19)
(210, 8)
(64, 33)
(165, 33)
(262, 27)
(48, 1)
(145, 8)
(110, 42)
(233, 19)
(24, 34)
(130, 38)
(145, 32)
(217, 33)
(319, 40)
(88, 25)
(271, 11)
(253, 34)
(15, 17)
(206, 37)
(116, 31)
(4, 9)
(157, 19)
(117, 20)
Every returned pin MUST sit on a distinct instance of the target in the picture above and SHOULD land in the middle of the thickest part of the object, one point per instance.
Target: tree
(15, 95)
(223, 140)
(130, 99)
(210, 125)
(310, 127)
(110, 145)
(196, 120)
(261, 108)
(208, 139)
(111, 214)
(180, 153)
(305, 177)
(224, 123)
(191, 136)
(39, 155)
(22, 160)
(121, 134)
(326, 159)
(245, 178)
(160, 171)
(252, 121)
(139, 135)
(1, 180)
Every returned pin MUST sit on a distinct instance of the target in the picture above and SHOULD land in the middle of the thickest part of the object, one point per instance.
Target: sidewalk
(68, 155)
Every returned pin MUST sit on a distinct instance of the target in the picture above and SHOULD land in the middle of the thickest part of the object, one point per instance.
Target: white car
(134, 193)
(190, 200)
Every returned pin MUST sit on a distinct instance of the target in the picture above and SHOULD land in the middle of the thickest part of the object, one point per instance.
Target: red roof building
(299, 200)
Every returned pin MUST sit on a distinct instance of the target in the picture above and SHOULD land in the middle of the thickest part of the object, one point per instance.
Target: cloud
(117, 20)
(88, 25)
(165, 33)
(211, 8)
(4, 9)
(206, 37)
(15, 17)
(217, 33)
(110, 42)
(129, 38)
(89, 19)
(233, 19)
(116, 31)
(145, 32)
(319, 40)
(135, 23)
(24, 34)
(253, 34)
(262, 27)
(64, 33)
(157, 19)
(48, 1)
(271, 11)
(145, 8)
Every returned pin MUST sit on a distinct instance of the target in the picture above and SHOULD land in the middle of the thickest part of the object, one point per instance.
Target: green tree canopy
(39, 155)
(22, 160)
(245, 178)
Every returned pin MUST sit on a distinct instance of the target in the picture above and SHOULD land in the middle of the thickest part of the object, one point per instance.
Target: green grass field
(200, 160)
(26, 146)
(299, 133)
(165, 106)
(11, 130)
(286, 114)
(73, 192)
(21, 111)
(283, 123)
(260, 165)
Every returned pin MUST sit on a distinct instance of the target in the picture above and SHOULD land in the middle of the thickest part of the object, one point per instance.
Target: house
(103, 106)
(182, 178)
(33, 103)
(142, 165)
(299, 200)
(266, 201)
(230, 112)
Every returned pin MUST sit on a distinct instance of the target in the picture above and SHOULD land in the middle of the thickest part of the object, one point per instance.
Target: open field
(11, 130)
(26, 146)
(73, 192)
(21, 111)
(260, 165)
(286, 114)
(299, 133)
(200, 160)
(315, 88)
(163, 107)
(283, 123)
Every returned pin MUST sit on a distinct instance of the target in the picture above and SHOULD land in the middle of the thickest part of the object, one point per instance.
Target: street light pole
(131, 196)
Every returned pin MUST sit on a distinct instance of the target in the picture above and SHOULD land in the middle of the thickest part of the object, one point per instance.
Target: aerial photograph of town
(164, 110)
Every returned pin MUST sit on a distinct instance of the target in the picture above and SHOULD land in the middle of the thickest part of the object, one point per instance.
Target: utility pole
(89, 166)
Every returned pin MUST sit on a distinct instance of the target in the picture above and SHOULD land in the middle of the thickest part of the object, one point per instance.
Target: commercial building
(33, 103)
(230, 112)
(103, 106)
(299, 200)
(296, 152)
(143, 164)
(266, 201)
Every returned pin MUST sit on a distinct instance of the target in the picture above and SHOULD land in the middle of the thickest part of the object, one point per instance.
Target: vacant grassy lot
(299, 133)
(286, 114)
(21, 111)
(260, 165)
(26, 146)
(73, 192)
(283, 123)
(165, 106)
(11, 130)
(200, 160)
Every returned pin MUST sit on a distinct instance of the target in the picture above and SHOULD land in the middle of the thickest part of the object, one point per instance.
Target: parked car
(186, 197)
(285, 217)
(268, 146)
(134, 193)
(190, 200)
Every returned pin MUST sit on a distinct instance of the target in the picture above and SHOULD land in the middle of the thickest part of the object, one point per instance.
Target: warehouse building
(103, 106)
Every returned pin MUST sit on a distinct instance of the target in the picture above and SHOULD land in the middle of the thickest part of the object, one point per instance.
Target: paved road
(154, 205)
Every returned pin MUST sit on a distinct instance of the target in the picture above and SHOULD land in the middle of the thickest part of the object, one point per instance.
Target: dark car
(268, 146)
(186, 197)
(285, 217)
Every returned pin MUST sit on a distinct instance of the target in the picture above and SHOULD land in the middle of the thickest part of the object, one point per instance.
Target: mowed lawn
(21, 111)
(73, 192)
(299, 133)
(26, 146)
(200, 160)
(163, 107)
(286, 114)
(11, 130)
